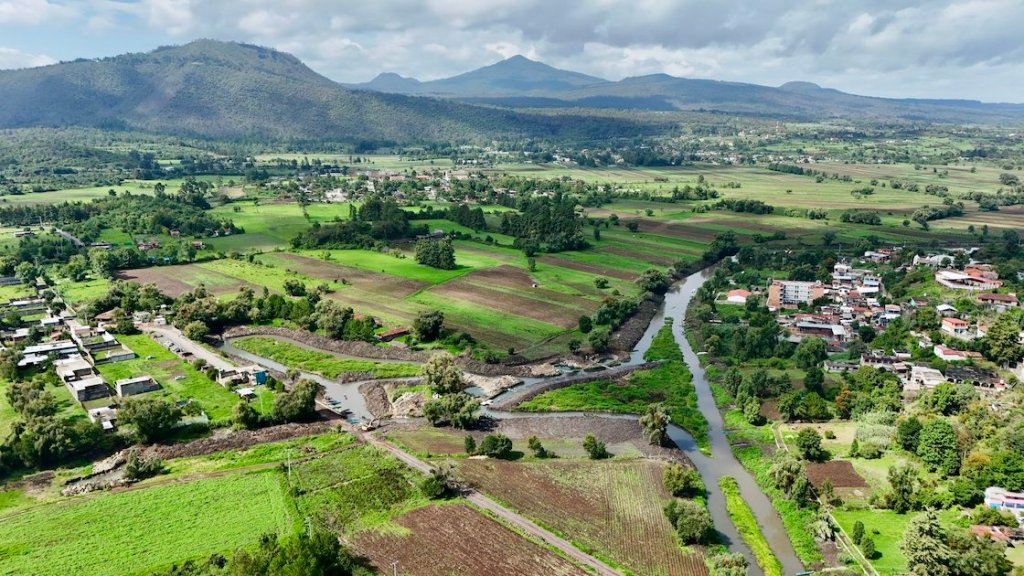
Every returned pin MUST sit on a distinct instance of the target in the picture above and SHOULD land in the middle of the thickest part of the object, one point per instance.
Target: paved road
(504, 513)
(183, 343)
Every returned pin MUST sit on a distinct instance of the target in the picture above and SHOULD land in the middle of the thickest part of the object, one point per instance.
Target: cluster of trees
(750, 206)
(376, 222)
(437, 253)
(868, 217)
(545, 225)
(450, 405)
(201, 311)
(926, 214)
(469, 217)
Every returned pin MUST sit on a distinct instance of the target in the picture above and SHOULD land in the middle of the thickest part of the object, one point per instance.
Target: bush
(858, 532)
(137, 468)
(692, 520)
(595, 448)
(683, 481)
(153, 418)
(867, 546)
(297, 405)
(537, 448)
(808, 444)
(244, 416)
(470, 445)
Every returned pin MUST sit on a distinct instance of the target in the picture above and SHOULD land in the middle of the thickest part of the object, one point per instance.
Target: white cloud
(13, 58)
(30, 11)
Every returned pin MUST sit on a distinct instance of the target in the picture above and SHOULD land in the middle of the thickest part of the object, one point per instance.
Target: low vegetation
(746, 523)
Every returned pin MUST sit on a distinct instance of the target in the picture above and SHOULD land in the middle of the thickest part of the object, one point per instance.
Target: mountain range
(519, 82)
(226, 90)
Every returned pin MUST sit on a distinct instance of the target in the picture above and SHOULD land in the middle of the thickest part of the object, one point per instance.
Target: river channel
(712, 468)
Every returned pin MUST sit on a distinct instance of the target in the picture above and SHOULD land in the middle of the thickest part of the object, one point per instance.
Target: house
(835, 366)
(923, 378)
(1000, 302)
(882, 361)
(1002, 499)
(947, 310)
(41, 353)
(242, 375)
(389, 335)
(89, 388)
(966, 281)
(957, 328)
(788, 292)
(105, 416)
(737, 296)
(975, 376)
(947, 354)
(136, 385)
(109, 355)
(73, 369)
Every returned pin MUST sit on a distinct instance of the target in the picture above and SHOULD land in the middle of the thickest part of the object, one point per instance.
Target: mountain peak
(800, 86)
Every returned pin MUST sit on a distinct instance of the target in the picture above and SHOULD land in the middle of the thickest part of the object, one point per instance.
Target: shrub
(867, 546)
(496, 446)
(595, 448)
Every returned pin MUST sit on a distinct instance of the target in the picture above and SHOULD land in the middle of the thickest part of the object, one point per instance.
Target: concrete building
(90, 388)
(790, 293)
(136, 385)
(957, 328)
(737, 296)
(1002, 499)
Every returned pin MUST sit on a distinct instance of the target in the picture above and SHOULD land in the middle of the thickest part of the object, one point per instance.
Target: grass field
(890, 527)
(323, 363)
(178, 379)
(746, 523)
(139, 531)
(610, 508)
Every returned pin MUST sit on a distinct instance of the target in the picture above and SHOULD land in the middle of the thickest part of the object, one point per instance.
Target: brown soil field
(580, 266)
(457, 540)
(511, 304)
(840, 472)
(167, 283)
(511, 277)
(611, 507)
(393, 286)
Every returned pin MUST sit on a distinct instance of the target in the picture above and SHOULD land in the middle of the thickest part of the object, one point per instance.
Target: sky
(896, 48)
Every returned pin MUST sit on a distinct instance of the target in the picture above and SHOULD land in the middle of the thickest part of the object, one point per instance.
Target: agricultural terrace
(178, 379)
(143, 530)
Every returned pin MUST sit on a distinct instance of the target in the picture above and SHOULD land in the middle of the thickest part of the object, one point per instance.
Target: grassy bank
(323, 363)
(746, 523)
(670, 384)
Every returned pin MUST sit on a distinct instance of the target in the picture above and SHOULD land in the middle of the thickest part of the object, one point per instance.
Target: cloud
(12, 58)
(911, 48)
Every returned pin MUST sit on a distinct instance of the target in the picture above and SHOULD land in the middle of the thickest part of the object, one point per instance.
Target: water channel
(712, 468)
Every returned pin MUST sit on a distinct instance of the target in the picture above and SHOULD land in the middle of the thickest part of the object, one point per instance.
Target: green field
(179, 380)
(138, 531)
(323, 363)
(890, 527)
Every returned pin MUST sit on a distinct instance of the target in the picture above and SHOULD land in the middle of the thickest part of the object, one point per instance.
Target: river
(712, 468)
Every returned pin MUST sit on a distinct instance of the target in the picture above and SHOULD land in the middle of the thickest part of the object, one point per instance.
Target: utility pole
(394, 568)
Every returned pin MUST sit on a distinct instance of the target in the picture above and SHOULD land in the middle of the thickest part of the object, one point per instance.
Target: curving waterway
(712, 468)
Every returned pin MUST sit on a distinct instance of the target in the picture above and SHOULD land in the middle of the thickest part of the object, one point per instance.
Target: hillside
(522, 83)
(217, 89)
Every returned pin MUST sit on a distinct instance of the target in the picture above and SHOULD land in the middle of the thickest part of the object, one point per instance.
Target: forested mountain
(522, 83)
(226, 90)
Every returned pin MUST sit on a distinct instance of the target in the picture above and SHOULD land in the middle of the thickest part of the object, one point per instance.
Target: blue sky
(904, 48)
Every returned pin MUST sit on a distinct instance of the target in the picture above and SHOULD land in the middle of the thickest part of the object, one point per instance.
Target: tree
(316, 553)
(810, 352)
(332, 318)
(599, 340)
(654, 281)
(436, 253)
(925, 546)
(428, 325)
(153, 418)
(496, 446)
(908, 434)
(459, 410)
(1002, 338)
(294, 287)
(680, 480)
(654, 422)
(692, 521)
(244, 416)
(596, 449)
(586, 324)
(858, 532)
(298, 404)
(867, 546)
(808, 444)
(633, 227)
(574, 346)
(814, 380)
(727, 564)
(123, 322)
(196, 330)
(442, 375)
(440, 483)
(938, 446)
(903, 481)
(469, 444)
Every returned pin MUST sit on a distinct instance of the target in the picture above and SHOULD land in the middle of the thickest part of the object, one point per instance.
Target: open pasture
(613, 507)
(454, 540)
(138, 531)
